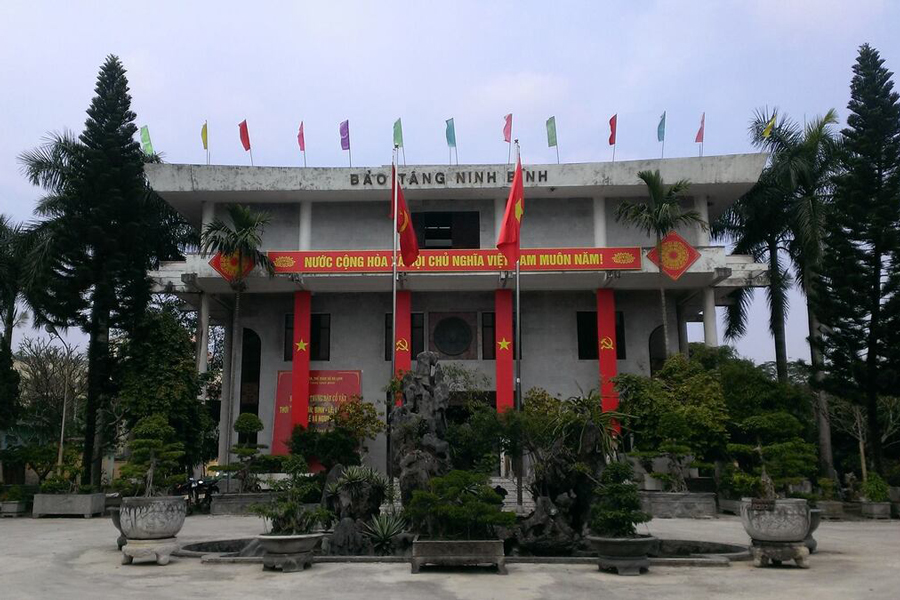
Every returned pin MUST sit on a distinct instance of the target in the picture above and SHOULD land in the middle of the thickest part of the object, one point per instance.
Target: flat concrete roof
(722, 179)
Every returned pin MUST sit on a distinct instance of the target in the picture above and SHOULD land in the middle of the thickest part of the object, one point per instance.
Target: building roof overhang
(722, 179)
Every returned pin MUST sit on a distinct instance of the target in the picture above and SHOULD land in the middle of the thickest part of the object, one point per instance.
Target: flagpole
(557, 153)
(349, 155)
(614, 152)
(251, 156)
(394, 266)
(206, 129)
(518, 348)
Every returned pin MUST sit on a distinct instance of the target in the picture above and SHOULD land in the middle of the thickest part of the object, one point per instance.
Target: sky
(277, 63)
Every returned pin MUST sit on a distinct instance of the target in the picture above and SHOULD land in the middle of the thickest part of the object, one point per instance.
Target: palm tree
(240, 242)
(12, 250)
(662, 214)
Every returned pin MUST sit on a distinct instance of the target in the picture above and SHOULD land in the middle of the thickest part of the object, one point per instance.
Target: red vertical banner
(606, 338)
(503, 348)
(403, 336)
(300, 362)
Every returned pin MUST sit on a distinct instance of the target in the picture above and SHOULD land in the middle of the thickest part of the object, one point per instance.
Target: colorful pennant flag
(245, 135)
(409, 245)
(507, 128)
(146, 144)
(699, 138)
(508, 241)
(769, 127)
(345, 135)
(551, 132)
(301, 139)
(203, 136)
(398, 134)
(661, 128)
(612, 129)
(451, 133)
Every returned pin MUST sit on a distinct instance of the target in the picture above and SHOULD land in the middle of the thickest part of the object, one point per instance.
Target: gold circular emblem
(623, 258)
(284, 262)
(673, 255)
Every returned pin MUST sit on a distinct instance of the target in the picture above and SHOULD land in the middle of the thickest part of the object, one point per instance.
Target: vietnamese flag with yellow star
(409, 245)
(508, 241)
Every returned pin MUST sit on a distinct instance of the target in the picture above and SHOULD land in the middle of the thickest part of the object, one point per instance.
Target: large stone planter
(153, 518)
(832, 510)
(815, 518)
(679, 505)
(783, 520)
(86, 505)
(288, 553)
(457, 553)
(237, 504)
(117, 523)
(12, 508)
(876, 510)
(628, 556)
(732, 507)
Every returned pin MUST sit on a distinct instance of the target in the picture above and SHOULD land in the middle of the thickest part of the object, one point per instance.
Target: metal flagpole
(614, 153)
(206, 128)
(350, 156)
(518, 349)
(391, 399)
(557, 153)
(304, 155)
(251, 156)
(662, 154)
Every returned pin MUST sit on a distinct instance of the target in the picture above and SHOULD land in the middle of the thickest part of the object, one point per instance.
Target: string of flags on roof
(450, 134)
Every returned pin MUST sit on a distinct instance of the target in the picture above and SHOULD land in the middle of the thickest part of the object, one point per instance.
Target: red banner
(677, 255)
(327, 391)
(227, 266)
(532, 259)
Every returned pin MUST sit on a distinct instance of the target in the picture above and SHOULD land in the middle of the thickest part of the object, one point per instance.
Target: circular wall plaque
(452, 336)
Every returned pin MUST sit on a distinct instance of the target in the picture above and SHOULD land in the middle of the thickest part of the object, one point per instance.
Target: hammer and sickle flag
(508, 241)
(409, 245)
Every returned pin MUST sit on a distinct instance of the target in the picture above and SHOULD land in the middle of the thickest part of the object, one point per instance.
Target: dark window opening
(417, 333)
(448, 230)
(488, 336)
(319, 334)
(251, 352)
(588, 343)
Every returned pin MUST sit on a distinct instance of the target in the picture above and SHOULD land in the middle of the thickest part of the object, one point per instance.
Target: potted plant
(292, 525)
(151, 522)
(13, 502)
(828, 502)
(876, 501)
(614, 515)
(250, 463)
(456, 521)
(60, 494)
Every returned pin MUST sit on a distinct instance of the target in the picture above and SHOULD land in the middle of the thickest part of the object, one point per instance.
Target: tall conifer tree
(855, 303)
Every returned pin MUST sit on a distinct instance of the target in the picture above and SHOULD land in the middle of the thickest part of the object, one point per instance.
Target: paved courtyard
(77, 558)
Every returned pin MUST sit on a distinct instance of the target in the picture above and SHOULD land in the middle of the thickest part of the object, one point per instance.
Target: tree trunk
(861, 438)
(823, 420)
(233, 380)
(873, 343)
(777, 301)
(98, 374)
(8, 322)
(662, 298)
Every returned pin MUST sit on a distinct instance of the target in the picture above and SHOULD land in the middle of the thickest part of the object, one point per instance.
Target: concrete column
(599, 222)
(306, 225)
(225, 398)
(203, 334)
(710, 334)
(499, 209)
(701, 205)
(682, 329)
(207, 213)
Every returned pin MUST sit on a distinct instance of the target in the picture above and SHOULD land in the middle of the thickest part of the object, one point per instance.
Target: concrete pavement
(77, 558)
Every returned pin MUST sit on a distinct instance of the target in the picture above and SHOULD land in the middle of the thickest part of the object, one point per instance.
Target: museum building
(320, 331)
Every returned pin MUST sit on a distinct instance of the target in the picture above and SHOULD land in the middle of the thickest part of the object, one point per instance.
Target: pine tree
(102, 229)
(861, 247)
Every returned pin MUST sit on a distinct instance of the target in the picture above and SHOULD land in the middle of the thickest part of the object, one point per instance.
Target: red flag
(245, 134)
(699, 138)
(300, 139)
(409, 245)
(612, 129)
(508, 242)
(507, 128)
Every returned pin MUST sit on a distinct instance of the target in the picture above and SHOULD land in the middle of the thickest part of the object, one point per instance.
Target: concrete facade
(567, 206)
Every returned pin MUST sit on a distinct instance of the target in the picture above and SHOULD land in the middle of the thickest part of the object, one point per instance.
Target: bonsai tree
(360, 420)
(616, 511)
(459, 505)
(154, 461)
(246, 425)
(286, 512)
(875, 489)
(337, 446)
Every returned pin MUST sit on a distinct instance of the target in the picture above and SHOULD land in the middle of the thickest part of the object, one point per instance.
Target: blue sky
(277, 63)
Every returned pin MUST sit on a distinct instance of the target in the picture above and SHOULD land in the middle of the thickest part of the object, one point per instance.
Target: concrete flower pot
(815, 518)
(237, 504)
(290, 544)
(628, 556)
(86, 505)
(456, 553)
(116, 521)
(152, 518)
(679, 505)
(876, 510)
(652, 484)
(782, 520)
(12, 508)
(831, 509)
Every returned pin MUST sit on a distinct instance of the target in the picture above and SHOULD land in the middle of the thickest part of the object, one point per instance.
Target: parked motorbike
(198, 494)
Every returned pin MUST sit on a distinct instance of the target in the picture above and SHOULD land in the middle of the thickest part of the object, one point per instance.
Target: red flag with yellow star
(508, 242)
(409, 245)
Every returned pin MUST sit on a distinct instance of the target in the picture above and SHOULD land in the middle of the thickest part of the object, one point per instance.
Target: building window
(488, 333)
(319, 333)
(417, 333)
(448, 230)
(588, 344)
